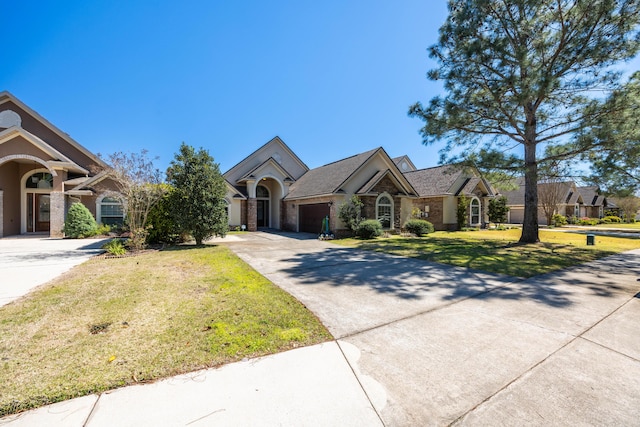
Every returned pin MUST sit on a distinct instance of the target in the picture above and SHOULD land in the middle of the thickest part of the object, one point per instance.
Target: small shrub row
(611, 219)
(369, 229)
(560, 220)
(419, 227)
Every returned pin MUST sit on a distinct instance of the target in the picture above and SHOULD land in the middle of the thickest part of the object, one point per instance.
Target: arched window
(262, 192)
(474, 212)
(110, 211)
(384, 210)
(40, 180)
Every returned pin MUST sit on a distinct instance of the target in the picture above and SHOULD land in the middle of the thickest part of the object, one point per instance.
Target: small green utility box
(591, 239)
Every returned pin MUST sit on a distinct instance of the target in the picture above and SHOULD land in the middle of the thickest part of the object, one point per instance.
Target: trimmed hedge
(79, 222)
(611, 219)
(368, 229)
(419, 227)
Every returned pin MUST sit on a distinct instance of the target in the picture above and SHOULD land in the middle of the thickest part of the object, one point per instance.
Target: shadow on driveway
(415, 279)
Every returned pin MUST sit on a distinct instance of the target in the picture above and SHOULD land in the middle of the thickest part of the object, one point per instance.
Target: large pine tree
(525, 72)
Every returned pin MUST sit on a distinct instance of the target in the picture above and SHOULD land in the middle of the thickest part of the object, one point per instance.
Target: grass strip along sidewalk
(498, 251)
(113, 322)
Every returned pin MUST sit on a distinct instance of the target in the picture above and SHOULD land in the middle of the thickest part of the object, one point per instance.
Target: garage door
(311, 217)
(516, 215)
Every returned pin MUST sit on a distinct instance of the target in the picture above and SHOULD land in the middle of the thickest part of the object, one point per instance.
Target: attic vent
(569, 196)
(9, 118)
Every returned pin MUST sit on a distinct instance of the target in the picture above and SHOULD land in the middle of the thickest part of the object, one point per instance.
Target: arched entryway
(267, 193)
(263, 207)
(36, 188)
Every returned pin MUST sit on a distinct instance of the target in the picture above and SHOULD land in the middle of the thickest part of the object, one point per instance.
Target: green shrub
(419, 227)
(115, 247)
(611, 219)
(103, 230)
(558, 220)
(588, 221)
(461, 211)
(162, 227)
(350, 212)
(79, 222)
(368, 229)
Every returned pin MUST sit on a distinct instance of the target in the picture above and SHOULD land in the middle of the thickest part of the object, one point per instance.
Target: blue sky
(331, 78)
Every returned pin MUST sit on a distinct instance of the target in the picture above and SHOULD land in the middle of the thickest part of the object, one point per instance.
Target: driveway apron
(440, 345)
(29, 261)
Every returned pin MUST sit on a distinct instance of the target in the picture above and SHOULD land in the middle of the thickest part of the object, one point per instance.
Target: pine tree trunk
(530, 222)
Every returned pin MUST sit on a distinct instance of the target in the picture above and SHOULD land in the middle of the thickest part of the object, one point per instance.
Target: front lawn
(498, 251)
(113, 322)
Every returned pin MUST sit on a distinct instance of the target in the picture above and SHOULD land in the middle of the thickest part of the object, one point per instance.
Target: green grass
(113, 322)
(621, 225)
(498, 251)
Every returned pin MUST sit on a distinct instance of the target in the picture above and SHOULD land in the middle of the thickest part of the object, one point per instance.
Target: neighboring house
(439, 189)
(42, 172)
(573, 201)
(273, 188)
(595, 204)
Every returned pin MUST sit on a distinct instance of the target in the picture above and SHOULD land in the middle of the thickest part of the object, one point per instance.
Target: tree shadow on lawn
(415, 279)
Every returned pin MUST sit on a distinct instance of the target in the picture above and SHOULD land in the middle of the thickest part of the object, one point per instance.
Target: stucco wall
(10, 184)
(43, 132)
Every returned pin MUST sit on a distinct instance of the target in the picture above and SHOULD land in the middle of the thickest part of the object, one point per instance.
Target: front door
(38, 212)
(263, 213)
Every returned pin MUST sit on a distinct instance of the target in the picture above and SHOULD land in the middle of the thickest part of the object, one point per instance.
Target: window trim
(471, 214)
(100, 202)
(391, 206)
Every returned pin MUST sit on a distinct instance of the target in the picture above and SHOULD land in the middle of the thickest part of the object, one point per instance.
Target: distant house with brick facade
(573, 201)
(42, 172)
(273, 188)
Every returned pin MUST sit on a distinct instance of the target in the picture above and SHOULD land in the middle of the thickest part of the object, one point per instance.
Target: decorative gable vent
(9, 118)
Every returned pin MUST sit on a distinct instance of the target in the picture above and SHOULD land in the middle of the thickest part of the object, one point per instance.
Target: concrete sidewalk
(417, 344)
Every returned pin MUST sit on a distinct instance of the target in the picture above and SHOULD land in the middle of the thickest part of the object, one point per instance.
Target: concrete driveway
(29, 261)
(416, 344)
(438, 345)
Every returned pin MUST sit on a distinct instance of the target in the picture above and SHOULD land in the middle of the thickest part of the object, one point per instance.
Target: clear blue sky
(331, 78)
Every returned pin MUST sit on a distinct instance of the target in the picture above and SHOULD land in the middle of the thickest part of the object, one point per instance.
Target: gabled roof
(368, 187)
(5, 96)
(329, 178)
(404, 161)
(269, 162)
(57, 158)
(591, 197)
(571, 194)
(237, 194)
(435, 181)
(245, 163)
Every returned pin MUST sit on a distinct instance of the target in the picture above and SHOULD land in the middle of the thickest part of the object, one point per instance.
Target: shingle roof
(433, 181)
(329, 178)
(591, 197)
(516, 196)
(272, 161)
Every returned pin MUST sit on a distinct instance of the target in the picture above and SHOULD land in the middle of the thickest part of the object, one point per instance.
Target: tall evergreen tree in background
(615, 165)
(197, 200)
(528, 73)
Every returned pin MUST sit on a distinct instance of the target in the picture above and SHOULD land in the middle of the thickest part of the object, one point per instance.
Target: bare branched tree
(628, 206)
(551, 193)
(137, 183)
